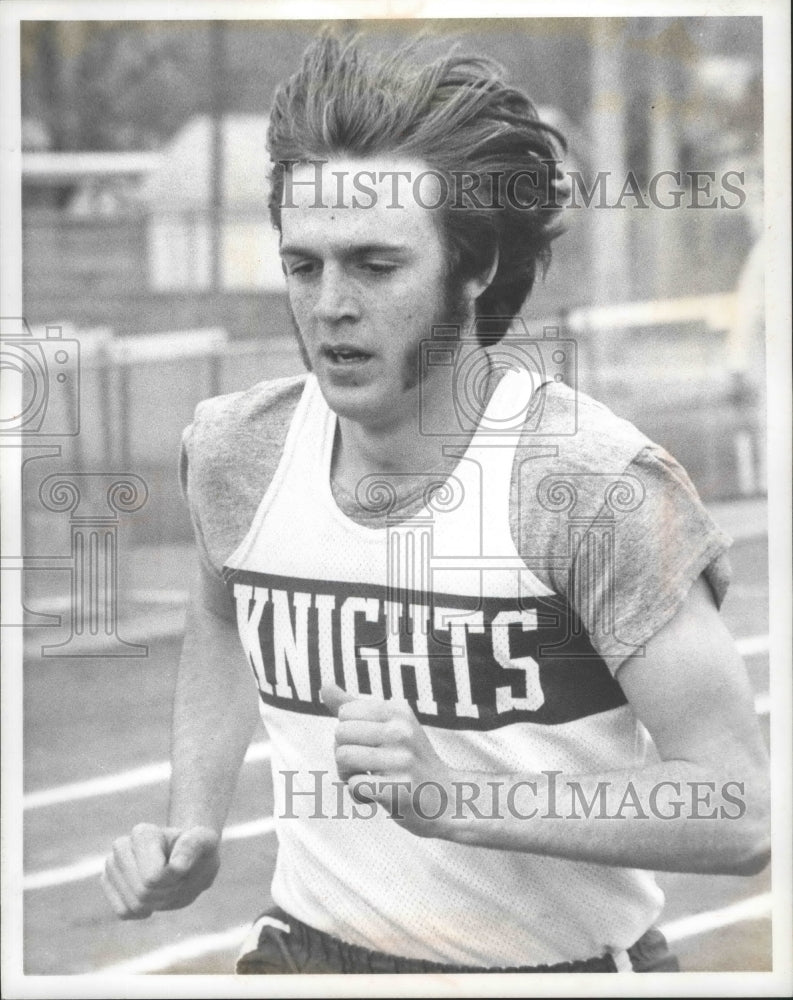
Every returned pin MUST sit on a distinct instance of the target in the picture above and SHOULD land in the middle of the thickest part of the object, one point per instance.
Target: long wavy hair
(459, 116)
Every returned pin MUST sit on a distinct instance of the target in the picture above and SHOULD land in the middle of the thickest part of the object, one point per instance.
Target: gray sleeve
(611, 523)
(229, 455)
(213, 591)
(635, 562)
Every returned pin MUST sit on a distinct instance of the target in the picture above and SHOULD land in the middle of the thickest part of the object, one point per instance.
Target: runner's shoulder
(243, 423)
(587, 436)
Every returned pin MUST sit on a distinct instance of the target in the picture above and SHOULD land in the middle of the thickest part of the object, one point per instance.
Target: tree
(107, 85)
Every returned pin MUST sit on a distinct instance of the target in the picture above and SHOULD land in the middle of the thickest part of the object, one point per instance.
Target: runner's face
(366, 283)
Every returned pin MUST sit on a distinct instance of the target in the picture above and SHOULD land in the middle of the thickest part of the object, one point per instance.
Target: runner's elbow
(749, 851)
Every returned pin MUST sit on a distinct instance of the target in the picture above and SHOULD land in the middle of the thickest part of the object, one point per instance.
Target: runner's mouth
(345, 354)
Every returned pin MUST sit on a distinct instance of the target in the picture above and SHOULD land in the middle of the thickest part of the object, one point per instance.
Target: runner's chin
(352, 389)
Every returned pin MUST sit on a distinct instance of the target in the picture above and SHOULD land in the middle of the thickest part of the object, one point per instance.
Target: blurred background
(151, 281)
(144, 193)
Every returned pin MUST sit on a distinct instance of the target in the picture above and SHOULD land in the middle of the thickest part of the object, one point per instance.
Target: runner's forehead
(356, 206)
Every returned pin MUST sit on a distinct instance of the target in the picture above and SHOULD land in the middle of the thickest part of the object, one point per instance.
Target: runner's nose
(335, 301)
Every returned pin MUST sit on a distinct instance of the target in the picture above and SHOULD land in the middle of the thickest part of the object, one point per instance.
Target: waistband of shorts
(355, 958)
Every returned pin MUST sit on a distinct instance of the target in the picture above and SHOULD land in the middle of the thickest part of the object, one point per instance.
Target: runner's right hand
(160, 868)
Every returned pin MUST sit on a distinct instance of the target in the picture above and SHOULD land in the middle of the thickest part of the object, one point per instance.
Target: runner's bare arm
(215, 711)
(691, 692)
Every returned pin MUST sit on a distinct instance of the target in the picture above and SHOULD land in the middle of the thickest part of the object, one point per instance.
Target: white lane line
(149, 774)
(755, 908)
(169, 598)
(124, 781)
(183, 951)
(762, 703)
(92, 865)
(87, 867)
(753, 645)
(253, 828)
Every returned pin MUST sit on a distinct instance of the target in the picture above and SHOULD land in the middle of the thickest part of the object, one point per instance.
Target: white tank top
(438, 609)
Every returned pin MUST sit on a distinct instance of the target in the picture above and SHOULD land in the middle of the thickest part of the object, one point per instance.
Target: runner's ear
(479, 284)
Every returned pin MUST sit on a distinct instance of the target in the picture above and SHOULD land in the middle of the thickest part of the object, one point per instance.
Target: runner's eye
(378, 267)
(303, 269)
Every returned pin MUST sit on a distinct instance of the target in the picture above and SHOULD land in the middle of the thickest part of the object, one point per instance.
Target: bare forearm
(215, 711)
(673, 816)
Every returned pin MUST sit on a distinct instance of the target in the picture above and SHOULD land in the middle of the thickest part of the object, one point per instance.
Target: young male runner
(479, 609)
